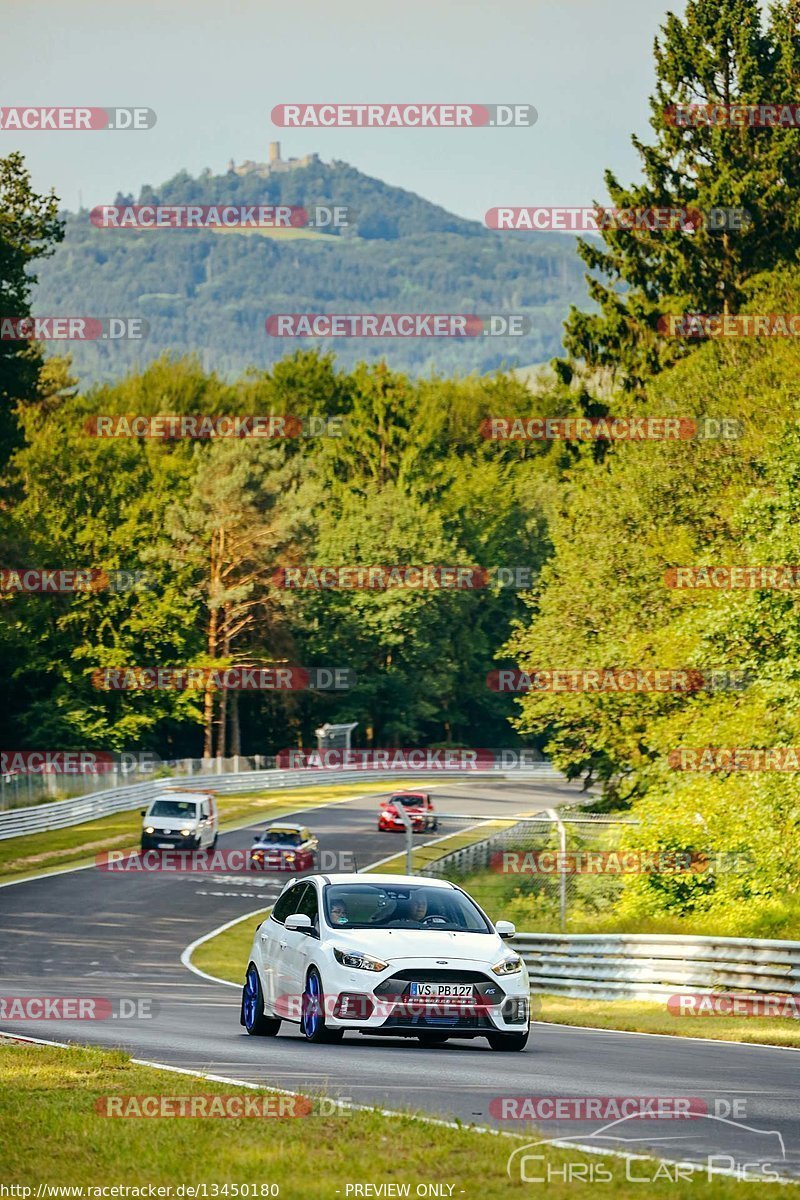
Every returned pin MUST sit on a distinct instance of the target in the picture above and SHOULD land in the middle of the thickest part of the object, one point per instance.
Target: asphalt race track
(91, 933)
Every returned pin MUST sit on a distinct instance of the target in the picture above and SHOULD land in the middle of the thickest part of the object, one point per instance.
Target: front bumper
(386, 1006)
(276, 862)
(418, 825)
(170, 841)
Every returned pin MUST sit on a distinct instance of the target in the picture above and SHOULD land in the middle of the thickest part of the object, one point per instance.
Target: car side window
(309, 905)
(287, 903)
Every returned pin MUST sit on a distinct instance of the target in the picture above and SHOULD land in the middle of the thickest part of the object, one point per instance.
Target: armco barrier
(62, 813)
(474, 857)
(619, 966)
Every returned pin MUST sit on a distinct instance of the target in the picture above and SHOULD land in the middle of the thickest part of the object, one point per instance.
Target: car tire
(312, 1023)
(432, 1039)
(252, 1013)
(508, 1041)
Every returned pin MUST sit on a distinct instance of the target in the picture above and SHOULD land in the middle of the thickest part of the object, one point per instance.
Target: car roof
(284, 827)
(419, 880)
(175, 794)
(409, 792)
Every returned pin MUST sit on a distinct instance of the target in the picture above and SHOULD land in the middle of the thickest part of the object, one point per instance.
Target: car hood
(396, 944)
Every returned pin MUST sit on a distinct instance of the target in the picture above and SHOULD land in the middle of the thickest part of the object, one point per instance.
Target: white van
(178, 820)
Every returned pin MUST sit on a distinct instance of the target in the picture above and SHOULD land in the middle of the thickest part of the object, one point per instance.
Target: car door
(298, 946)
(204, 826)
(273, 945)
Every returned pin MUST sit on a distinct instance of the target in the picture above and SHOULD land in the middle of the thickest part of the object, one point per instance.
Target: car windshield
(408, 801)
(185, 809)
(401, 906)
(280, 837)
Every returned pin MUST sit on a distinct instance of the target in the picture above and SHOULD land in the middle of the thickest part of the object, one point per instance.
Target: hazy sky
(213, 69)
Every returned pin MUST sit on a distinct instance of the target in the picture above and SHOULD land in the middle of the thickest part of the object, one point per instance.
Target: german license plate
(442, 990)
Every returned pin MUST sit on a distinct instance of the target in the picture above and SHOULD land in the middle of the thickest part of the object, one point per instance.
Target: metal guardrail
(619, 966)
(62, 813)
(474, 857)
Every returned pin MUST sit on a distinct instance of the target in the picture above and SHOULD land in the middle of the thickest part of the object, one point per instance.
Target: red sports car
(419, 807)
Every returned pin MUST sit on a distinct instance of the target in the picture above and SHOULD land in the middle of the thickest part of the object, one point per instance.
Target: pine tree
(718, 54)
(29, 229)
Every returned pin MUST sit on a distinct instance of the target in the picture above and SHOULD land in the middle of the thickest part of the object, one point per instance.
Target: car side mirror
(299, 921)
(142, 812)
(505, 929)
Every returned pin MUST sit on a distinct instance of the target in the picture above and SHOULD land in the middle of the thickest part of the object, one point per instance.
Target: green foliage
(719, 53)
(29, 230)
(602, 602)
(410, 481)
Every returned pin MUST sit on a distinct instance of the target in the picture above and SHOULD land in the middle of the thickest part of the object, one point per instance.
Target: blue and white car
(390, 955)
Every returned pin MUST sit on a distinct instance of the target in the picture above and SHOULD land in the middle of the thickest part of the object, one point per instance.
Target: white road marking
(388, 1112)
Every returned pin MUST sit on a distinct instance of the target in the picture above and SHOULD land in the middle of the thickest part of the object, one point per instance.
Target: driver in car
(339, 913)
(418, 906)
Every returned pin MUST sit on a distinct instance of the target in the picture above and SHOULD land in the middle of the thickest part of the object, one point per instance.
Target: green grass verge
(37, 852)
(643, 1016)
(532, 902)
(48, 1096)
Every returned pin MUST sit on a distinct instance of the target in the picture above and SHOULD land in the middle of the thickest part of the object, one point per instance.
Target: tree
(231, 528)
(718, 54)
(29, 230)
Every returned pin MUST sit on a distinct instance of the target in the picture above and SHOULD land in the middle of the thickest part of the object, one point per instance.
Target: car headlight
(362, 962)
(150, 829)
(508, 966)
(289, 856)
(185, 832)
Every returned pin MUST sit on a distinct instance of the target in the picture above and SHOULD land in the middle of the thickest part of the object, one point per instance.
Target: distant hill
(209, 293)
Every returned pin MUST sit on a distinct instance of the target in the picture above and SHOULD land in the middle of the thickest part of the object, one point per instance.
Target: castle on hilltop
(274, 165)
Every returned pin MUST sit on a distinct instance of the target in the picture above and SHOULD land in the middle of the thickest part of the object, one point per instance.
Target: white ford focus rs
(385, 954)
